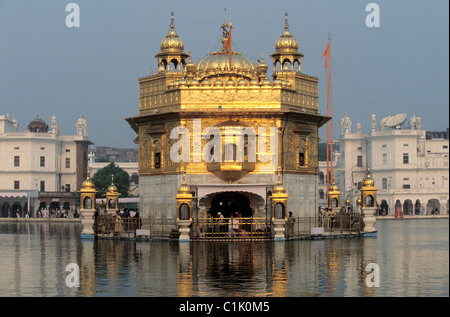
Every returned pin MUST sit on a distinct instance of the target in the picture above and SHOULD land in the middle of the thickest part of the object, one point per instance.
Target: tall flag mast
(327, 55)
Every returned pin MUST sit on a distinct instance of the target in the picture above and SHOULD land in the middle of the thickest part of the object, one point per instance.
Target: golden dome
(218, 83)
(190, 66)
(216, 63)
(266, 82)
(254, 82)
(286, 42)
(368, 182)
(206, 82)
(88, 184)
(333, 188)
(172, 43)
(112, 188)
(242, 83)
(184, 188)
(279, 187)
(358, 201)
(262, 67)
(194, 82)
(230, 83)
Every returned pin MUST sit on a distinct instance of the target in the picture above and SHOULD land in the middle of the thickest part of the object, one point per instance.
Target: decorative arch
(408, 207)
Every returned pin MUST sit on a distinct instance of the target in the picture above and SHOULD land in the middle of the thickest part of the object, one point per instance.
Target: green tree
(102, 180)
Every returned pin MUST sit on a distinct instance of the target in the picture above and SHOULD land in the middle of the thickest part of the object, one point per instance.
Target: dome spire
(286, 25)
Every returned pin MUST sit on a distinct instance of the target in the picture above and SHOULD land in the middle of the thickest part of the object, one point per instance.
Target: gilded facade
(264, 126)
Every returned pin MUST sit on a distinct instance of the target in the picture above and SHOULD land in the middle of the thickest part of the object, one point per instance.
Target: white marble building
(409, 165)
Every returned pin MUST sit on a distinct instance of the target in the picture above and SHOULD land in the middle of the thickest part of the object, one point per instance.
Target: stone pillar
(87, 222)
(87, 198)
(369, 218)
(369, 205)
(184, 209)
(279, 229)
(279, 207)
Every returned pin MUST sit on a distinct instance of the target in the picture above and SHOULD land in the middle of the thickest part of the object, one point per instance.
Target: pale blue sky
(48, 69)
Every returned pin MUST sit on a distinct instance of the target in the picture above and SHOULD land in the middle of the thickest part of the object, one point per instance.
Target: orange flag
(327, 55)
(228, 44)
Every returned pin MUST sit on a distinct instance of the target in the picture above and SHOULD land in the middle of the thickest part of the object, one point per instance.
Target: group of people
(219, 226)
(124, 220)
(57, 213)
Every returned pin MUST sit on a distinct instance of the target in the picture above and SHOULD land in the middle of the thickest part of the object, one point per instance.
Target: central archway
(229, 204)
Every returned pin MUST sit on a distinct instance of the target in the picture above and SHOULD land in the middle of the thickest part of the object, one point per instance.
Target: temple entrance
(230, 204)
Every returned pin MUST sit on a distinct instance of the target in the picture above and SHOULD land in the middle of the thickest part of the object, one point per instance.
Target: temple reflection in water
(226, 269)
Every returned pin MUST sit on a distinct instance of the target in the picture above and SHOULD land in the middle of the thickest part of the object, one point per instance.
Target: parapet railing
(231, 228)
(108, 225)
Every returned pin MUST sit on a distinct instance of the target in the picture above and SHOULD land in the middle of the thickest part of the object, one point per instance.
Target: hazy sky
(49, 69)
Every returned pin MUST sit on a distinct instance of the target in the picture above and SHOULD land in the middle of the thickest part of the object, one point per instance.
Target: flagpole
(328, 132)
(331, 115)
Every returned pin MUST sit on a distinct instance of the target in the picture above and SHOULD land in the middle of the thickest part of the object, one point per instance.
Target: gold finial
(225, 15)
(262, 57)
(171, 24)
(190, 56)
(286, 26)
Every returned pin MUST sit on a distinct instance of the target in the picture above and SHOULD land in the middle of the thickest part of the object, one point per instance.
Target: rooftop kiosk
(369, 205)
(87, 198)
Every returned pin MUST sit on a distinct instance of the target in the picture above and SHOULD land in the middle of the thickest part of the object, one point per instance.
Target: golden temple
(270, 126)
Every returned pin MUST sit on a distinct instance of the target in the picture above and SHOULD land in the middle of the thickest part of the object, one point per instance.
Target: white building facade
(40, 159)
(410, 166)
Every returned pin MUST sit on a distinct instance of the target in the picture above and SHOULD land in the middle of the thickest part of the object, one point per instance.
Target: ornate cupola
(286, 54)
(112, 197)
(171, 53)
(368, 191)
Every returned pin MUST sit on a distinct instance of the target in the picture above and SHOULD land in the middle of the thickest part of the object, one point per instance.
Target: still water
(412, 256)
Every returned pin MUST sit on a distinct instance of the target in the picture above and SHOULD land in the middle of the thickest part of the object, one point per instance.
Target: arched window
(279, 211)
(369, 201)
(87, 203)
(334, 202)
(184, 212)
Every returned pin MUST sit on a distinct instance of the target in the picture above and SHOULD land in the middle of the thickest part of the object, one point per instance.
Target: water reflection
(34, 258)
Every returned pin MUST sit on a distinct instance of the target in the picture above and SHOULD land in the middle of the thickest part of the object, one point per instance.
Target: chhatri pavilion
(219, 135)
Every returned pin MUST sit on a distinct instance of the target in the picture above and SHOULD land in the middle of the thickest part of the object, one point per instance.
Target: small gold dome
(230, 83)
(242, 83)
(184, 188)
(333, 188)
(286, 42)
(88, 185)
(194, 82)
(266, 82)
(277, 83)
(112, 188)
(368, 182)
(218, 83)
(254, 82)
(279, 187)
(190, 67)
(206, 82)
(172, 42)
